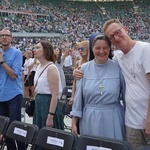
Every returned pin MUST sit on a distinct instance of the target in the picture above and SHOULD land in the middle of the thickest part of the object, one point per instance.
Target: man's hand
(147, 129)
(78, 74)
(1, 56)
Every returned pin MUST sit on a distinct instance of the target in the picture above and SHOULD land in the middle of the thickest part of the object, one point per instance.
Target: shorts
(31, 78)
(137, 137)
(26, 82)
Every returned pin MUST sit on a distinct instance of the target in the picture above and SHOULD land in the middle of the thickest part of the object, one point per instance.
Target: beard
(4, 44)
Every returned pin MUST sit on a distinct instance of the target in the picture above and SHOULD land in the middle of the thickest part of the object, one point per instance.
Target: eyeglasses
(5, 35)
(80, 48)
(36, 47)
(117, 33)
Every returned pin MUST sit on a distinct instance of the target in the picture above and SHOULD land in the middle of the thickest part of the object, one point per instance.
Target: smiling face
(118, 34)
(101, 50)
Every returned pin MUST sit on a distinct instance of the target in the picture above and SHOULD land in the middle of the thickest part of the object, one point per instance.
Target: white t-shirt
(68, 61)
(35, 65)
(26, 64)
(135, 65)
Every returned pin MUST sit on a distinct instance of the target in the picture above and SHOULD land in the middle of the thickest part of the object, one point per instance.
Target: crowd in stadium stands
(75, 20)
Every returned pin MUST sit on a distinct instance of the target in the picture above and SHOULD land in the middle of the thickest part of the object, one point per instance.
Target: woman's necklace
(101, 88)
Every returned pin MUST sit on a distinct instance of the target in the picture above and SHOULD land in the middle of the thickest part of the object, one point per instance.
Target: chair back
(143, 148)
(4, 122)
(91, 142)
(55, 139)
(21, 131)
(66, 93)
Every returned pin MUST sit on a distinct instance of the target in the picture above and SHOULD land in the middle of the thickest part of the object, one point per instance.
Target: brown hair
(59, 57)
(110, 21)
(29, 52)
(48, 50)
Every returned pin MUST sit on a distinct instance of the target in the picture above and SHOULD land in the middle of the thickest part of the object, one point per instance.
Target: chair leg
(23, 114)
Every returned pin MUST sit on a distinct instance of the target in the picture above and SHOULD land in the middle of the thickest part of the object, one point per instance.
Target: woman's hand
(71, 101)
(74, 125)
(74, 129)
(49, 121)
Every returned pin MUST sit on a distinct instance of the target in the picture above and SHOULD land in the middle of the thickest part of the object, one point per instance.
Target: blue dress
(97, 100)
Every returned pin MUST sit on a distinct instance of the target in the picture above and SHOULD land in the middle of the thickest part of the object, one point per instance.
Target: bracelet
(2, 62)
(51, 113)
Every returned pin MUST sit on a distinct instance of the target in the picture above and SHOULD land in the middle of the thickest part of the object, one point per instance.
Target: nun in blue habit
(99, 98)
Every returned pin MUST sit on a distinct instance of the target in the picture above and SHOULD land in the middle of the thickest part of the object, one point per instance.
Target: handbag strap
(41, 74)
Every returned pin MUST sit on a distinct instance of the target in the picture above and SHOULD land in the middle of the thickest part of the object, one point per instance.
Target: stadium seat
(87, 142)
(55, 139)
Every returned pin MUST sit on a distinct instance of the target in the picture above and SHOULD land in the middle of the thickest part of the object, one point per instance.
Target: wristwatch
(1, 62)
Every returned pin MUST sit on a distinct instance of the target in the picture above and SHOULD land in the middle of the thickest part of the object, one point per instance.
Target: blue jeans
(12, 109)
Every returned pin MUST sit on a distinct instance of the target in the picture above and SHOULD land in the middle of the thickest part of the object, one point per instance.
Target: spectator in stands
(75, 54)
(97, 96)
(11, 86)
(134, 62)
(59, 61)
(32, 69)
(83, 49)
(68, 61)
(47, 88)
(27, 72)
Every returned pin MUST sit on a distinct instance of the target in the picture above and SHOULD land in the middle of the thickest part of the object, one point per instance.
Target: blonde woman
(83, 49)
(26, 72)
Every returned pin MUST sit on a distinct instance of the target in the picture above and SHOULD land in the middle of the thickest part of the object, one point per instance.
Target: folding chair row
(55, 139)
(48, 138)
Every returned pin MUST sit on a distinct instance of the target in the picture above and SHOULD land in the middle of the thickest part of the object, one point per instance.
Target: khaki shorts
(137, 137)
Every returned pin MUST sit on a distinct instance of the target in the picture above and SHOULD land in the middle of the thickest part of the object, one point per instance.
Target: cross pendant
(101, 88)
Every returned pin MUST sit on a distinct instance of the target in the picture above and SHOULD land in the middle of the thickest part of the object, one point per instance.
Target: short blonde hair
(29, 52)
(110, 21)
